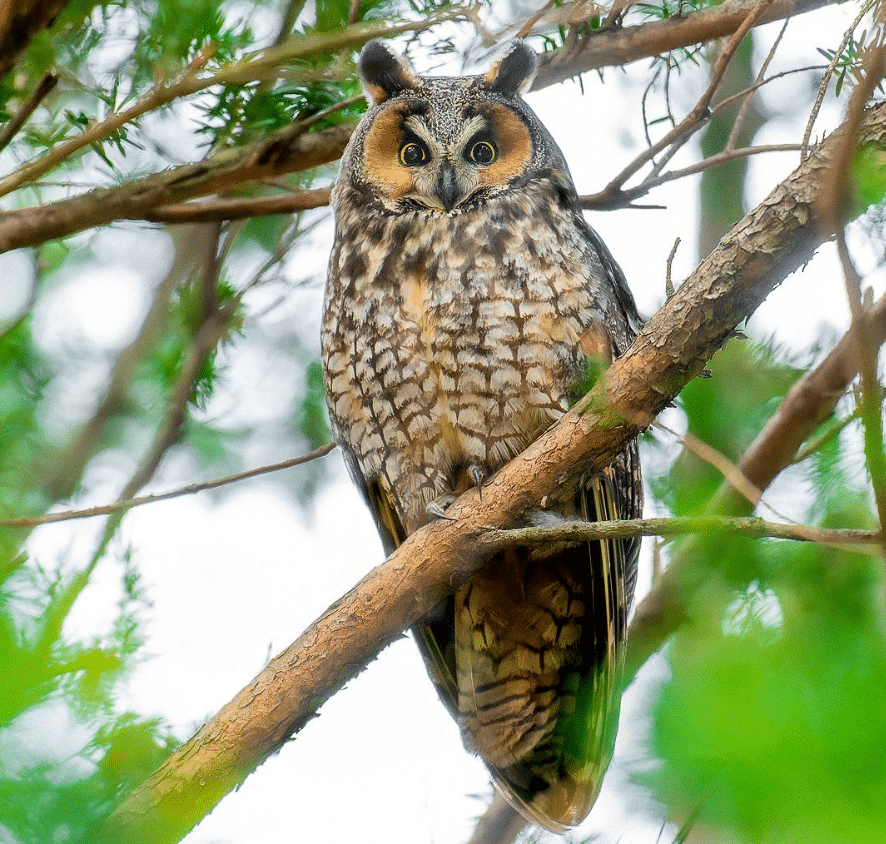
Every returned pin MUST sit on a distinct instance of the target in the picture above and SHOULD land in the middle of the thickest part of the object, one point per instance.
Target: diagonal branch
(774, 239)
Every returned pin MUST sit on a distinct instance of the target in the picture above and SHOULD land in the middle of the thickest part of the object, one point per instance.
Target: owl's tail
(539, 653)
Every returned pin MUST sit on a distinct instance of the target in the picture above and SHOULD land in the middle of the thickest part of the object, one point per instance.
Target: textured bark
(621, 46)
(770, 242)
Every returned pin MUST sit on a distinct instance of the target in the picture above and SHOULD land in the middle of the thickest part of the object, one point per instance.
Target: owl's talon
(478, 476)
(438, 507)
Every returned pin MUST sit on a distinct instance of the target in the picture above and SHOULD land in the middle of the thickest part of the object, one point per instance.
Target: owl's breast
(453, 346)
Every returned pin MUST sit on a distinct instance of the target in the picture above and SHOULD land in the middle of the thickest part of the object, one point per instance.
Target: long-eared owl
(468, 305)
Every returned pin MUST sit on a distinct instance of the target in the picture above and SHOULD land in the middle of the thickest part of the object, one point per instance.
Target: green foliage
(311, 413)
(727, 409)
(67, 753)
(593, 368)
(868, 177)
(770, 725)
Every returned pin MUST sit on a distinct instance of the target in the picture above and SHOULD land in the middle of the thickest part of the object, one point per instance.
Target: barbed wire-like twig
(829, 72)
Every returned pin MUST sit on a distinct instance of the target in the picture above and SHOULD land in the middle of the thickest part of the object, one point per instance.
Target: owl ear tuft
(513, 73)
(384, 74)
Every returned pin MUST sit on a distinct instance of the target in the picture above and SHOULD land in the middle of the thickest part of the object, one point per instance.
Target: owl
(468, 305)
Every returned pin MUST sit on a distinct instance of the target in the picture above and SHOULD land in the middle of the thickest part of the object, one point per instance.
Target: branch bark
(620, 46)
(770, 242)
(286, 151)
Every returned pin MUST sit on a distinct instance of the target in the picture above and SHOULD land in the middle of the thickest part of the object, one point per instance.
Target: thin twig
(832, 431)
(44, 87)
(190, 489)
(608, 198)
(699, 114)
(750, 526)
(748, 98)
(829, 72)
(719, 461)
(669, 284)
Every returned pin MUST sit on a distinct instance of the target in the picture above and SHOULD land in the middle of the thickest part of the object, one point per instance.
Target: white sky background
(236, 577)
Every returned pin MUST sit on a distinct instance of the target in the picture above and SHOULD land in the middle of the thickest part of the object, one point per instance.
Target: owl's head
(444, 144)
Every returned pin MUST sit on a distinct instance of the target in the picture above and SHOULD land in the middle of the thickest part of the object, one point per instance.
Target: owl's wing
(554, 780)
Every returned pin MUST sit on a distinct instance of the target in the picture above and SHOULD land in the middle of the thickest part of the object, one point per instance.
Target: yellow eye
(482, 152)
(412, 154)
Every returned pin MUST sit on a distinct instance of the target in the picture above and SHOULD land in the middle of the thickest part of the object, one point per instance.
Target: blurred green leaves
(67, 753)
(771, 726)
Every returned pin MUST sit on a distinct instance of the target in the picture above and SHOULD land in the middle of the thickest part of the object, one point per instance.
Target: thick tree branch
(239, 209)
(774, 239)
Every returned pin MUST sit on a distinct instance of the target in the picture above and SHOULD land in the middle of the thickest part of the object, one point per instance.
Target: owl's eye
(482, 152)
(413, 154)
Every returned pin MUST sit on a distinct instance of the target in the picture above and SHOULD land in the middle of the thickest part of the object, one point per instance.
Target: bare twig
(747, 98)
(669, 283)
(730, 472)
(611, 197)
(190, 489)
(828, 74)
(700, 113)
(44, 87)
(756, 528)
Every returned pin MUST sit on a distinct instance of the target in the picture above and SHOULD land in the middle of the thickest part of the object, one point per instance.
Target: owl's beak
(447, 187)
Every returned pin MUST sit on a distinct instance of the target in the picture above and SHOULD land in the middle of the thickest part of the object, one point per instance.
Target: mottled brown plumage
(468, 303)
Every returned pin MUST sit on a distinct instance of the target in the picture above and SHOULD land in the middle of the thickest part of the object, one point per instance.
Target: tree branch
(190, 489)
(771, 241)
(293, 149)
(621, 46)
(286, 151)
